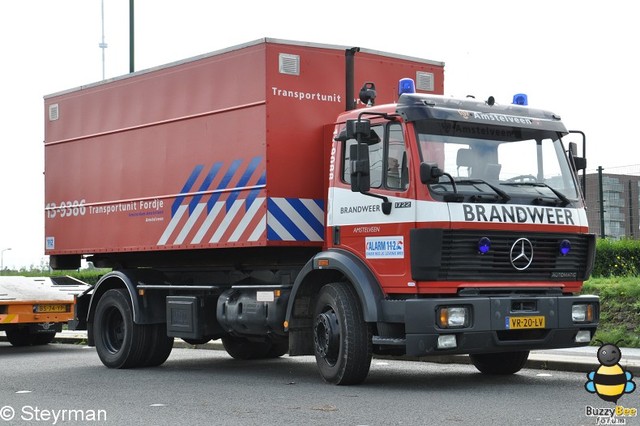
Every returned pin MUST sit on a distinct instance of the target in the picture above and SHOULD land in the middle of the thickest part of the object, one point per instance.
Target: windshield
(498, 163)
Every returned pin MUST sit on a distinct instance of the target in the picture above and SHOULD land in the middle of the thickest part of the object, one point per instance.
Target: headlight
(582, 313)
(453, 317)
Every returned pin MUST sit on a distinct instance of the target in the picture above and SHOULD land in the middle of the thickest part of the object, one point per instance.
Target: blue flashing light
(406, 85)
(565, 247)
(520, 99)
(484, 244)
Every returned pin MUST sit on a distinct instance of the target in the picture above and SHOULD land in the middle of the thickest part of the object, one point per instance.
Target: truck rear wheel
(159, 345)
(500, 363)
(120, 342)
(341, 337)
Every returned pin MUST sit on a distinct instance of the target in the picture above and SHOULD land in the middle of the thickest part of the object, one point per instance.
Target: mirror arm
(453, 182)
(386, 204)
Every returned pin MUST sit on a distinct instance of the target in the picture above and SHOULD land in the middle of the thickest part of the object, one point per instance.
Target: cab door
(361, 223)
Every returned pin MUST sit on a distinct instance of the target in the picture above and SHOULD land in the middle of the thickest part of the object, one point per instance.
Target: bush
(617, 258)
(89, 276)
(619, 310)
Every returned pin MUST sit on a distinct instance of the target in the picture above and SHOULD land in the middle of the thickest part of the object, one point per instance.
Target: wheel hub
(326, 336)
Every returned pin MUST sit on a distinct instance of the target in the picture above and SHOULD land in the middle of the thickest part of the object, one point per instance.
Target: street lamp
(2, 259)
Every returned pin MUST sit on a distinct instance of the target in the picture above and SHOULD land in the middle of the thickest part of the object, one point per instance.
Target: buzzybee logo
(610, 381)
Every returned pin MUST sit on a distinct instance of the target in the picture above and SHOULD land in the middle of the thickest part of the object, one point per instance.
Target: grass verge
(619, 309)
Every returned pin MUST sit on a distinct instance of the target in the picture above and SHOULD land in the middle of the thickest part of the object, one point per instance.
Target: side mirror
(361, 131)
(359, 157)
(573, 149)
(430, 173)
(578, 163)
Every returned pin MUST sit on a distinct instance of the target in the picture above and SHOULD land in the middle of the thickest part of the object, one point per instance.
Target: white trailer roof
(21, 289)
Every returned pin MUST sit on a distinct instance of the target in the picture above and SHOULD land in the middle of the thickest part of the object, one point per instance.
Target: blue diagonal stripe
(307, 215)
(255, 192)
(223, 183)
(186, 188)
(287, 223)
(271, 235)
(244, 179)
(205, 185)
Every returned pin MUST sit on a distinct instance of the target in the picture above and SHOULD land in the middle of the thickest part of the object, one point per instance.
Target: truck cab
(469, 216)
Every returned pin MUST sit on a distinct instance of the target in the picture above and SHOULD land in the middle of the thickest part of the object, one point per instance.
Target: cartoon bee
(610, 381)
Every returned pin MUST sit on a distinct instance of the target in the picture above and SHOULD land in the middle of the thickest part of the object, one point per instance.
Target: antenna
(102, 44)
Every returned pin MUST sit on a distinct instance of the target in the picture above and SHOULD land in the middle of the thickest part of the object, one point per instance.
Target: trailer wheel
(120, 342)
(43, 338)
(19, 336)
(341, 337)
(243, 348)
(159, 345)
(500, 363)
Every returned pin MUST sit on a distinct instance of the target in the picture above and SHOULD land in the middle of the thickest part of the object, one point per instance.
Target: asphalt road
(58, 383)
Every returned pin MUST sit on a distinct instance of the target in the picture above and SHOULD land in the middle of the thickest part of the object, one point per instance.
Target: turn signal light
(453, 317)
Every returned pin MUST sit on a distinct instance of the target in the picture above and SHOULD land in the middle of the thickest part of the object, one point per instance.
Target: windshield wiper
(557, 193)
(503, 195)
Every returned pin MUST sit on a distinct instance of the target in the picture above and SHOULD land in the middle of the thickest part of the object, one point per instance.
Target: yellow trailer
(33, 309)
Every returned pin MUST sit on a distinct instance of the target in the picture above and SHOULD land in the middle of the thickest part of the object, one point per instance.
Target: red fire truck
(247, 196)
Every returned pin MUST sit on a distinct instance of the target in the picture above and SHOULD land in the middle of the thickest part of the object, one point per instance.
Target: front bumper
(487, 330)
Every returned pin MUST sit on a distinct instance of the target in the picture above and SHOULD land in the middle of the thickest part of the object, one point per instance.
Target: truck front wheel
(500, 363)
(120, 342)
(341, 338)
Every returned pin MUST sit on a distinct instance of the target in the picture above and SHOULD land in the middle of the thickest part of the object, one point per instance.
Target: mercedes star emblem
(521, 254)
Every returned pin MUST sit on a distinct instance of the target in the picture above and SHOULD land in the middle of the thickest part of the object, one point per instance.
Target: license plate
(517, 323)
(50, 308)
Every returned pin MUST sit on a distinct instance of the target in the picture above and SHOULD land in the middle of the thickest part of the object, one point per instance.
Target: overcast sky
(576, 58)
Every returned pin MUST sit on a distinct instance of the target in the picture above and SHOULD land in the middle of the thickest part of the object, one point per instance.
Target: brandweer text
(517, 214)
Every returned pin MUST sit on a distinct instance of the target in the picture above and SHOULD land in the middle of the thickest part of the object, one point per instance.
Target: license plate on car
(518, 323)
(50, 308)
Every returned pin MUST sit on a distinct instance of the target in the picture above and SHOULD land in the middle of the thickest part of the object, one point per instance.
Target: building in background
(619, 210)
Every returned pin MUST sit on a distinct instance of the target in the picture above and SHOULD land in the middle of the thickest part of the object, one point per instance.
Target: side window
(376, 157)
(387, 159)
(397, 167)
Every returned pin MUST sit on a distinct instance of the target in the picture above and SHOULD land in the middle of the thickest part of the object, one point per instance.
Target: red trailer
(233, 199)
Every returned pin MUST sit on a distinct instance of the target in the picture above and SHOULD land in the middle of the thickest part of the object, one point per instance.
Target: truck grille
(460, 259)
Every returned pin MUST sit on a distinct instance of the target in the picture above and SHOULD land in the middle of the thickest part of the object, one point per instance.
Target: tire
(502, 363)
(279, 347)
(20, 336)
(120, 342)
(341, 337)
(196, 342)
(242, 348)
(159, 345)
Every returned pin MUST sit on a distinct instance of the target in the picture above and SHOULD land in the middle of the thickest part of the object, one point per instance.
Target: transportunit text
(306, 96)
